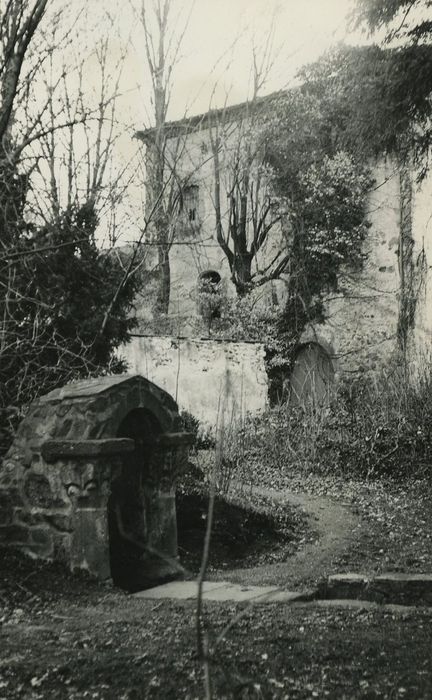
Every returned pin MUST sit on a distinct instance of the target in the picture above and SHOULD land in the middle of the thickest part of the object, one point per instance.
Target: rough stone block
(6, 509)
(62, 547)
(37, 490)
(404, 589)
(346, 586)
(26, 517)
(59, 522)
(14, 534)
(42, 542)
(90, 543)
(55, 449)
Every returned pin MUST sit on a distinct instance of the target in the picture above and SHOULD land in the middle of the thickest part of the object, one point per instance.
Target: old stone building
(378, 309)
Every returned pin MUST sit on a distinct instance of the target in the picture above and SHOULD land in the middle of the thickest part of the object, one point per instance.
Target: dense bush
(64, 307)
(373, 426)
(203, 438)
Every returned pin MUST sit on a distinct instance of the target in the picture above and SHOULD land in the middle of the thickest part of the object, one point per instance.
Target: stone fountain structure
(84, 453)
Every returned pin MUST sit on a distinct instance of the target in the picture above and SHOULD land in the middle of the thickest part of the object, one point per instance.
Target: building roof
(202, 121)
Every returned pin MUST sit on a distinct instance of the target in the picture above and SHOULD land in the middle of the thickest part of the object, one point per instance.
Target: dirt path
(336, 528)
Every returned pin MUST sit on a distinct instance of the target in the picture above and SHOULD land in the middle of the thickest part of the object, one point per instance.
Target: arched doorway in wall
(209, 297)
(130, 502)
(312, 376)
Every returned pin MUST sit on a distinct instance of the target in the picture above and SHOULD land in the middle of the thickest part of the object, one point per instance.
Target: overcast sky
(216, 50)
(217, 45)
(303, 30)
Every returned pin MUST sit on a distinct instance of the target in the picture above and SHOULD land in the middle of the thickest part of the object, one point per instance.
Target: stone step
(222, 591)
(397, 588)
(387, 589)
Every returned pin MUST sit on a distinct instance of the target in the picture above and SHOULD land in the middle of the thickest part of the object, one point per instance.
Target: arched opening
(129, 504)
(312, 376)
(209, 296)
(210, 277)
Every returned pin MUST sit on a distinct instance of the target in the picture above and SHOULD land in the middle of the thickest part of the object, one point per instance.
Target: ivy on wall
(354, 105)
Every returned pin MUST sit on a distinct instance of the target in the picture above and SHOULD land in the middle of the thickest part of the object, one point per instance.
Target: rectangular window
(190, 203)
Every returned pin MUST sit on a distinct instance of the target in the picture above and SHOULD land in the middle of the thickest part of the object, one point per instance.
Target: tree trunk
(164, 281)
(242, 273)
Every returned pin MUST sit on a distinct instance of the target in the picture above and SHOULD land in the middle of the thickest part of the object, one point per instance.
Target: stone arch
(210, 277)
(312, 375)
(58, 474)
(95, 408)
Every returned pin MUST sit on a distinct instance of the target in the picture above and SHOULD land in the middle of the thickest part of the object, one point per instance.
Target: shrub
(373, 426)
(204, 440)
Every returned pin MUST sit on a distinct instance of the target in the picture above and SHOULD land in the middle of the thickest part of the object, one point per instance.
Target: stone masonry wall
(44, 495)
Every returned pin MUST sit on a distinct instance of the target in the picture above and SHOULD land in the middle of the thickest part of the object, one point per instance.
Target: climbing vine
(353, 105)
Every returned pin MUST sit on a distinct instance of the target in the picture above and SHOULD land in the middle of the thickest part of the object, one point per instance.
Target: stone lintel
(55, 449)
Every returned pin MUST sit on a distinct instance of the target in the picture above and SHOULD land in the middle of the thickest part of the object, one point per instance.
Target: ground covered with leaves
(388, 523)
(64, 636)
(395, 514)
(243, 534)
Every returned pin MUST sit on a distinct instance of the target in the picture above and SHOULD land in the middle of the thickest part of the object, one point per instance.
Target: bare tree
(252, 214)
(19, 22)
(162, 44)
(64, 305)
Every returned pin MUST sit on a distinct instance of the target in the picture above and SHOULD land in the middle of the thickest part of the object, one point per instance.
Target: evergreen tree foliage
(56, 286)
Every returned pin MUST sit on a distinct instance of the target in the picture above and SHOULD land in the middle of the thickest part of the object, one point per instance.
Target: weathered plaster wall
(203, 375)
(195, 248)
(362, 319)
(422, 234)
(361, 330)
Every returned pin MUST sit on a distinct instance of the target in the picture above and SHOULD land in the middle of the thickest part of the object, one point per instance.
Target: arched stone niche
(312, 376)
(83, 453)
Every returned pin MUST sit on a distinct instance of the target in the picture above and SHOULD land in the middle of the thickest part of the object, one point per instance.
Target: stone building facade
(379, 309)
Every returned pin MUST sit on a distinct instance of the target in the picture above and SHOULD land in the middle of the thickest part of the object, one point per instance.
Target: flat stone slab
(179, 590)
(238, 593)
(220, 591)
(291, 596)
